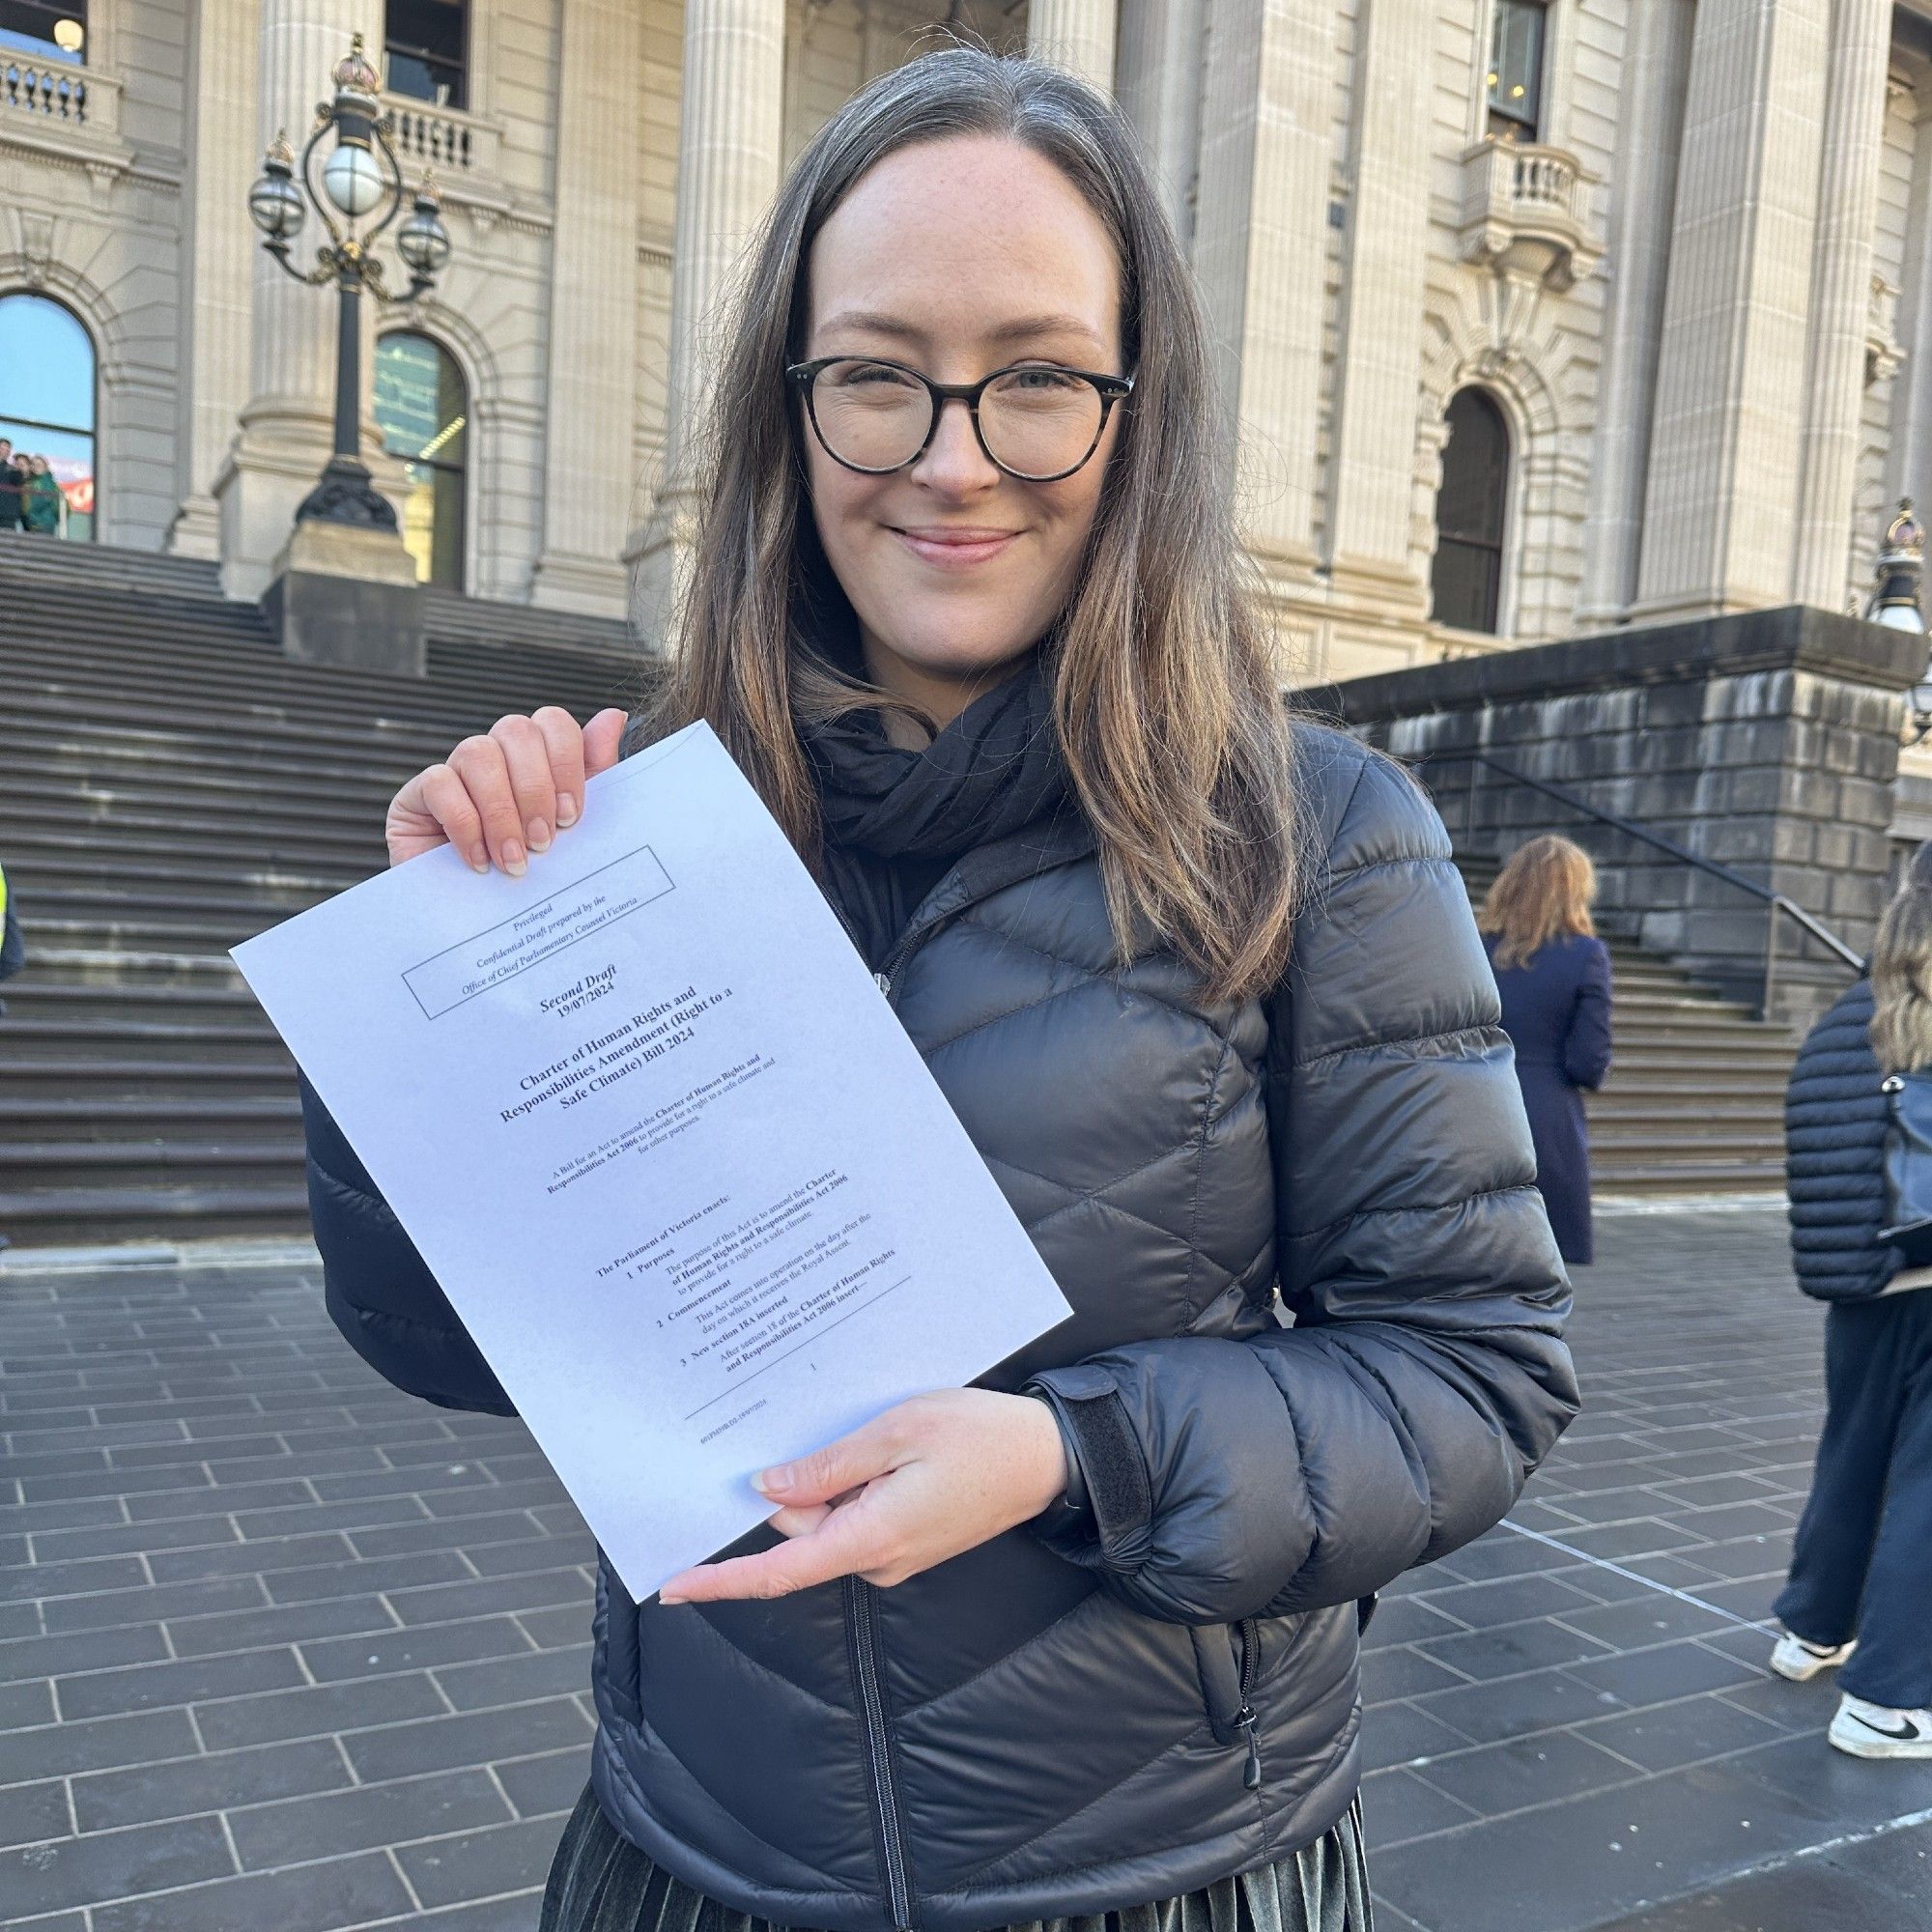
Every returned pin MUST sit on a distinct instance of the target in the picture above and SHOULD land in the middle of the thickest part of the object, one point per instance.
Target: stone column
(1861, 50)
(220, 242)
(287, 426)
(1651, 107)
(1379, 377)
(591, 374)
(1076, 33)
(1158, 77)
(1720, 511)
(729, 143)
(1909, 459)
(1261, 229)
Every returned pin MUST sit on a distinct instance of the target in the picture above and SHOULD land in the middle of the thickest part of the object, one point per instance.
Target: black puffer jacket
(1834, 1121)
(1027, 1730)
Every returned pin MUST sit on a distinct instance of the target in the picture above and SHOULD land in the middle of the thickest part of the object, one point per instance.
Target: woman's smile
(954, 547)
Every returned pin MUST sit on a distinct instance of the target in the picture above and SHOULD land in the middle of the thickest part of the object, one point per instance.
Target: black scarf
(896, 822)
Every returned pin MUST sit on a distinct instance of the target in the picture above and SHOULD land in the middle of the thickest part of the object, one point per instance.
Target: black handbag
(1907, 1167)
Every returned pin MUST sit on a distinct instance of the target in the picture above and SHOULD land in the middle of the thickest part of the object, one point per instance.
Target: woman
(41, 498)
(1554, 976)
(1080, 1641)
(1862, 1566)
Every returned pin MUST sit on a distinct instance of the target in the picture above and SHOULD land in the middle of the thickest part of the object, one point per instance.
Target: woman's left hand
(925, 1481)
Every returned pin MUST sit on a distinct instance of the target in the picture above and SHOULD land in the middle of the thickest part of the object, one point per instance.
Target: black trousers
(1863, 1562)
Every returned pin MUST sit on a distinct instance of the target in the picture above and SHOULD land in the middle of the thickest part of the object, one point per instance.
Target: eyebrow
(1020, 330)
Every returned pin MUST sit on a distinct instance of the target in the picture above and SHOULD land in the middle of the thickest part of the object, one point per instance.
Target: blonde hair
(1171, 722)
(1901, 973)
(1542, 894)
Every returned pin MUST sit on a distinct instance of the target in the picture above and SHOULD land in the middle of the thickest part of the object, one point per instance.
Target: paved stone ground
(281, 1648)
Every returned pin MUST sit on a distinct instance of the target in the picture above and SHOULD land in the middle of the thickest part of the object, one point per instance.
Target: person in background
(1553, 974)
(1859, 1592)
(40, 498)
(11, 475)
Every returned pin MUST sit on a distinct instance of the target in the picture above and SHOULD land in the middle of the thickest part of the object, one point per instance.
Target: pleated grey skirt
(600, 1882)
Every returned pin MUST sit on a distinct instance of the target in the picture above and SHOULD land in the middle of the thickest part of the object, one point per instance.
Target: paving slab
(280, 1646)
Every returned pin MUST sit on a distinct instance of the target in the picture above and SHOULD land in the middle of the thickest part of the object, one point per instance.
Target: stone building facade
(1537, 318)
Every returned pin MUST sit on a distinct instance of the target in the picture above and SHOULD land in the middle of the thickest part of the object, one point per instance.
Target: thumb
(848, 1464)
(601, 737)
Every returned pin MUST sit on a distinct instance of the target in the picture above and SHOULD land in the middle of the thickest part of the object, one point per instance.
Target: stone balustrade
(459, 147)
(53, 95)
(1526, 209)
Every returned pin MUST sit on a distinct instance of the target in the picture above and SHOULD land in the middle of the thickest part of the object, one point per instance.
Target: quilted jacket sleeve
(1426, 1374)
(1834, 1121)
(379, 1291)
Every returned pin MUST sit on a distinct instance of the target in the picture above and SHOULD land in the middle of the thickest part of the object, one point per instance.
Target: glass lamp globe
(274, 204)
(353, 180)
(423, 242)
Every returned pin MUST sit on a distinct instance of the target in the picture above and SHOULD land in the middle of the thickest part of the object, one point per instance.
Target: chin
(946, 648)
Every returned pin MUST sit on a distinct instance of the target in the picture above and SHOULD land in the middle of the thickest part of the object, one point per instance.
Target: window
(47, 407)
(423, 413)
(1516, 70)
(1467, 576)
(45, 30)
(423, 47)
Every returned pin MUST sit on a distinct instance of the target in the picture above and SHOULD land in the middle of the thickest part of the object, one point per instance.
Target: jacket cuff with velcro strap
(1108, 1510)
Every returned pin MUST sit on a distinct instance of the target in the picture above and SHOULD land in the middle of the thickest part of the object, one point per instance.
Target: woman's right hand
(500, 797)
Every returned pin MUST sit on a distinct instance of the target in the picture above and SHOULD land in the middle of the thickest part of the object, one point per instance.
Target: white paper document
(663, 1144)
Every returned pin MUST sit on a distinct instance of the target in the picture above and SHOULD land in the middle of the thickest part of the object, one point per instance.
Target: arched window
(424, 416)
(424, 48)
(1470, 507)
(47, 409)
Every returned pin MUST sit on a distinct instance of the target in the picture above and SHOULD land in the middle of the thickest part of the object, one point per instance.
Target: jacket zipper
(878, 1744)
(1246, 1719)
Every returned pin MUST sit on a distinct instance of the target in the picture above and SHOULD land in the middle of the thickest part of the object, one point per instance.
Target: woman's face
(957, 258)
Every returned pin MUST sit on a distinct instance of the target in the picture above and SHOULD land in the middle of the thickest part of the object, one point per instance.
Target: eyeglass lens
(1035, 422)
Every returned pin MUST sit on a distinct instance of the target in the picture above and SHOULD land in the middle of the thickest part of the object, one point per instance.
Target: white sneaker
(1801, 1661)
(1873, 1730)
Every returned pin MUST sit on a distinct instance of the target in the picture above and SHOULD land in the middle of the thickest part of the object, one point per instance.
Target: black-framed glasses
(1036, 421)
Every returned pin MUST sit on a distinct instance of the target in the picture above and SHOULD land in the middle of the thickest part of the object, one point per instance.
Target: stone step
(30, 998)
(276, 1161)
(219, 658)
(66, 1076)
(144, 1119)
(87, 1216)
(116, 1047)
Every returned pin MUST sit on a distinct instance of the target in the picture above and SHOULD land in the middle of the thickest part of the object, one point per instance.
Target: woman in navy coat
(1553, 974)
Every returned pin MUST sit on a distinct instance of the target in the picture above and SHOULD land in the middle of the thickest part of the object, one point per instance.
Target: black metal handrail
(1778, 903)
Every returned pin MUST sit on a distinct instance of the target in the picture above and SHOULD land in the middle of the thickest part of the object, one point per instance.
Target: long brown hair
(1901, 973)
(1169, 718)
(1542, 894)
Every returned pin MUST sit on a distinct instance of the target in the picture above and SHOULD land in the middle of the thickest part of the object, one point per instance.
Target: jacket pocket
(1227, 1657)
(615, 1637)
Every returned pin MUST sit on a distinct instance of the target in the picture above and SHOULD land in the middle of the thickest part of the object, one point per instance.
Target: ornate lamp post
(362, 180)
(1894, 604)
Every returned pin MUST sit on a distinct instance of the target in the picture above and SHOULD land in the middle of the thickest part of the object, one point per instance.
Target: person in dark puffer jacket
(1202, 985)
(1857, 1600)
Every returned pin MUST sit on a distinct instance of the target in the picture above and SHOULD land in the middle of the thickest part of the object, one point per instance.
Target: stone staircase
(1694, 1103)
(169, 785)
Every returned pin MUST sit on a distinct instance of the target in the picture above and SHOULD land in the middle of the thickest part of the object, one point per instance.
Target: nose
(953, 462)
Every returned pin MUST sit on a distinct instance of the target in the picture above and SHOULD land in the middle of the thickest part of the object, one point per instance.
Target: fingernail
(772, 1482)
(670, 1597)
(566, 812)
(479, 859)
(513, 859)
(539, 835)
